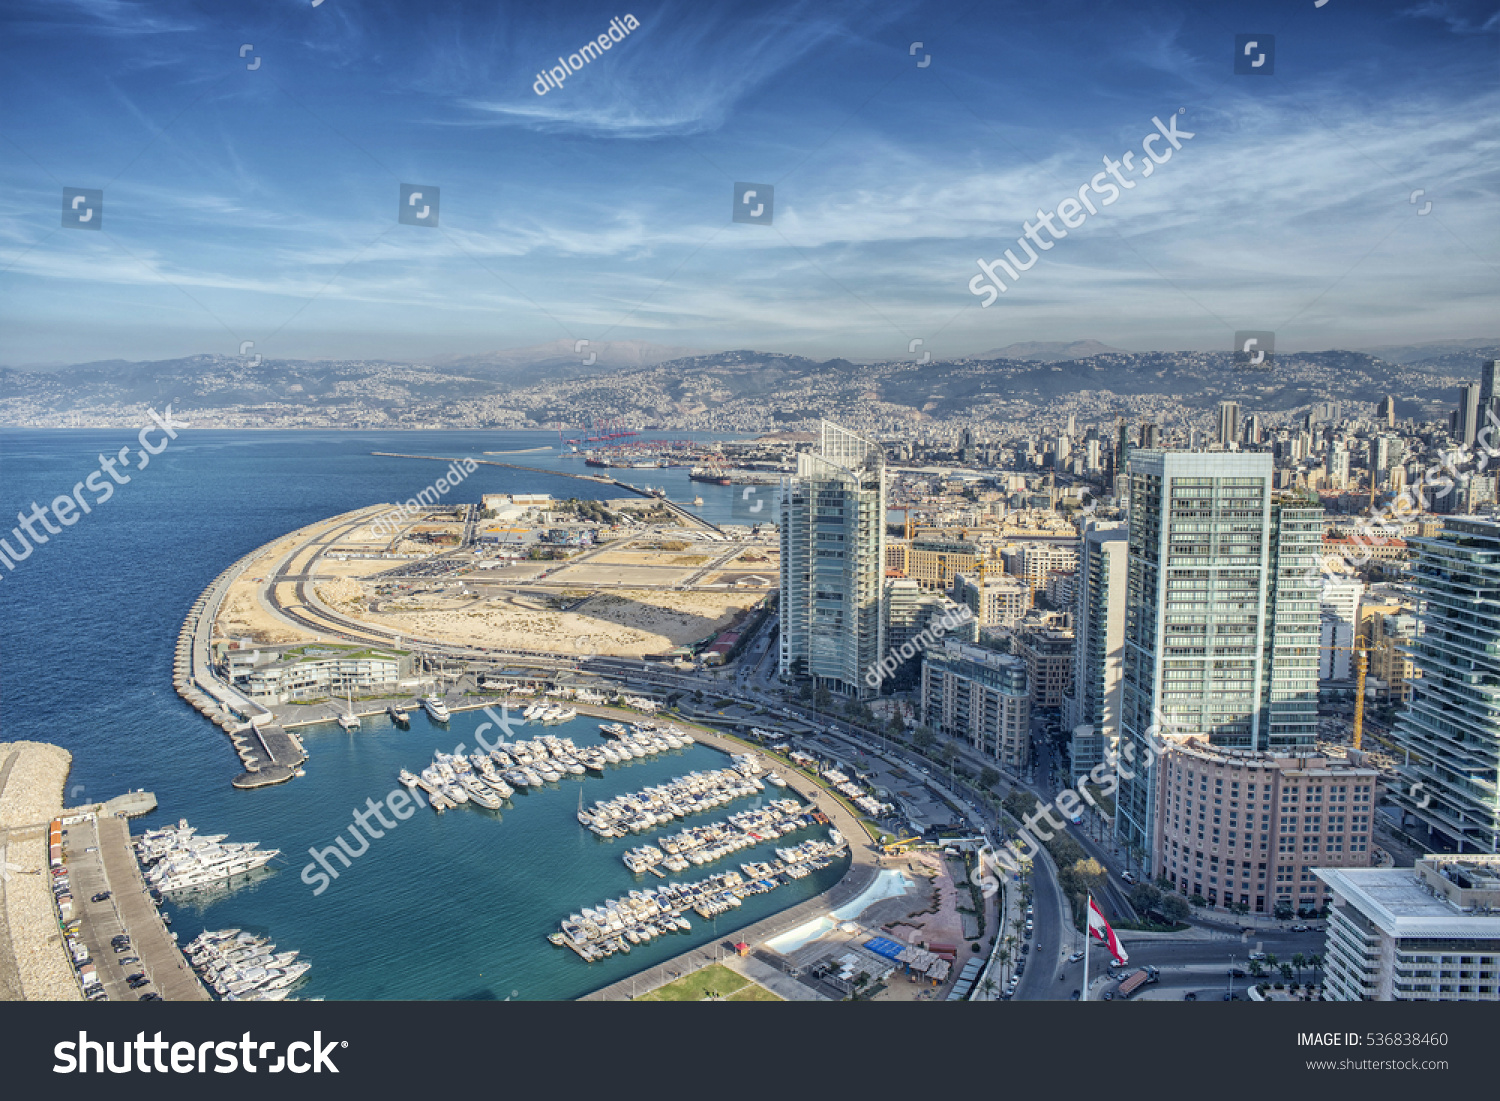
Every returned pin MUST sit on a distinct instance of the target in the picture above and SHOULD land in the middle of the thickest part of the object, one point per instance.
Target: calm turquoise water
(450, 906)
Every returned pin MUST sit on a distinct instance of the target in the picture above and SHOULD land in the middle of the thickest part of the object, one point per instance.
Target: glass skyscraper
(1450, 729)
(1221, 630)
(833, 563)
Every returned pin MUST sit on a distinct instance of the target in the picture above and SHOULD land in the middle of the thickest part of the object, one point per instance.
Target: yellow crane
(1361, 648)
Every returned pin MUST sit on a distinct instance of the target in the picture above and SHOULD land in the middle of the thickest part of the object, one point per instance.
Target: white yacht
(436, 709)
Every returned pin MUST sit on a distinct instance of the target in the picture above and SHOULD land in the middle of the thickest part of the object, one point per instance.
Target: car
(1025, 949)
(137, 975)
(1128, 877)
(1228, 997)
(102, 896)
(1109, 995)
(98, 996)
(150, 996)
(1190, 997)
(1074, 996)
(118, 937)
(1075, 957)
(126, 961)
(1237, 973)
(1257, 956)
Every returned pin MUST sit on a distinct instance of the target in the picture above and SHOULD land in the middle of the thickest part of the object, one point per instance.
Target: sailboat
(349, 720)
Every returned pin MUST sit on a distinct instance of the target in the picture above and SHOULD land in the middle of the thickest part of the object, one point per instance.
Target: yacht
(407, 779)
(398, 715)
(436, 709)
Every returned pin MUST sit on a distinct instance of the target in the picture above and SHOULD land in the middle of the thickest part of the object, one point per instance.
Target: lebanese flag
(1100, 930)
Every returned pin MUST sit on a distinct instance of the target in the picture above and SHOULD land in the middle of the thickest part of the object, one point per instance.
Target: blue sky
(260, 204)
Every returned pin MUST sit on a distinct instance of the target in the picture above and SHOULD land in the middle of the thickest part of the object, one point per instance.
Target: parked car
(150, 996)
(1190, 997)
(102, 896)
(126, 961)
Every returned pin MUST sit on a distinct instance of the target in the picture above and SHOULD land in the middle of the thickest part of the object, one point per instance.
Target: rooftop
(1399, 902)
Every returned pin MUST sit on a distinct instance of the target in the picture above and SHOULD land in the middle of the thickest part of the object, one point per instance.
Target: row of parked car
(83, 963)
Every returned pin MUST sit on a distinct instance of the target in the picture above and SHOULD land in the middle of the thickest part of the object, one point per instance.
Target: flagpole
(1087, 936)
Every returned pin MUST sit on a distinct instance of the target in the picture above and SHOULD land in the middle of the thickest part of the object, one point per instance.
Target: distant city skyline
(252, 161)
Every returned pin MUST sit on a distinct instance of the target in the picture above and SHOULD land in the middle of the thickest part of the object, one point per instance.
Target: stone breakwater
(33, 964)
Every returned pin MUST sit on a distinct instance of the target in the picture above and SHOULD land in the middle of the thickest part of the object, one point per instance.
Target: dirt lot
(623, 623)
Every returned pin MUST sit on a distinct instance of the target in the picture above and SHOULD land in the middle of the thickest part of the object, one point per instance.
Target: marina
(597, 933)
(487, 780)
(698, 845)
(514, 883)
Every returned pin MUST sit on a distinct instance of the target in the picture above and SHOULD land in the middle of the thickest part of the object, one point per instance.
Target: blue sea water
(450, 906)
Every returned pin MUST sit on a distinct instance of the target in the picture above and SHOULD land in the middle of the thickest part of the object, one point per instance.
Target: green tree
(1286, 971)
(1299, 961)
(1175, 907)
(924, 738)
(988, 777)
(1145, 898)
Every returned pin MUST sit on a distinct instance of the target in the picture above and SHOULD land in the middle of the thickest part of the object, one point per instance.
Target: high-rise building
(1150, 435)
(1450, 728)
(910, 613)
(1385, 412)
(1253, 429)
(1099, 642)
(1425, 934)
(833, 563)
(1221, 631)
(981, 696)
(1487, 394)
(1229, 423)
(1337, 467)
(1466, 427)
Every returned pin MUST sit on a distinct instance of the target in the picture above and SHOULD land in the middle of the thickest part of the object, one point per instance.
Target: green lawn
(716, 979)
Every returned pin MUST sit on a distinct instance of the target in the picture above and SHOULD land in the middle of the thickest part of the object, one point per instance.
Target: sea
(451, 906)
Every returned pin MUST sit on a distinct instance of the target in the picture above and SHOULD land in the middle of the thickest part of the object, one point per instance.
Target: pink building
(1246, 830)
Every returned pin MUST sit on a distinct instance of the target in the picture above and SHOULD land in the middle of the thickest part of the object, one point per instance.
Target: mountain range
(637, 382)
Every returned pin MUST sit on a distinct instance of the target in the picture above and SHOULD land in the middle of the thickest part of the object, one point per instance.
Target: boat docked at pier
(179, 860)
(436, 709)
(595, 933)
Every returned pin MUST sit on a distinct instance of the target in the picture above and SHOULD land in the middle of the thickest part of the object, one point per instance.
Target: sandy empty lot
(623, 623)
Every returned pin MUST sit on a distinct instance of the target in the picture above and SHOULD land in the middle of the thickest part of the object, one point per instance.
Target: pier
(113, 867)
(864, 866)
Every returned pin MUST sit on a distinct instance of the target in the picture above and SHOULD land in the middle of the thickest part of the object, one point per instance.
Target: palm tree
(1004, 957)
(1315, 961)
(1286, 972)
(1299, 961)
(989, 986)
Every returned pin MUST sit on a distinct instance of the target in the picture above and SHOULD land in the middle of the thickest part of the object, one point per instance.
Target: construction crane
(1362, 650)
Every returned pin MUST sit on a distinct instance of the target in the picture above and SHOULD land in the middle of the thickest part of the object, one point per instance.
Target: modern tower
(1450, 729)
(1469, 416)
(1487, 393)
(1221, 631)
(1229, 423)
(833, 563)
(1091, 710)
